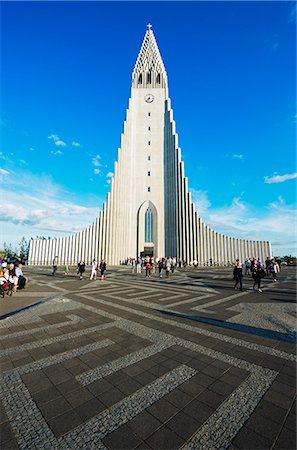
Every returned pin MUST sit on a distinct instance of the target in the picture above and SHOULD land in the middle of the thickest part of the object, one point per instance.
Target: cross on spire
(149, 26)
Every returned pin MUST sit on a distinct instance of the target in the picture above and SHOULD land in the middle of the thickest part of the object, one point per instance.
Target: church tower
(149, 210)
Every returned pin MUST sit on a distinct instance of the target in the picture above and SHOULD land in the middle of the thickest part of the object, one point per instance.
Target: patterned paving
(100, 365)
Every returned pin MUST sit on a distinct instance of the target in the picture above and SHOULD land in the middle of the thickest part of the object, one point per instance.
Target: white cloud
(96, 171)
(200, 200)
(32, 149)
(4, 172)
(109, 175)
(238, 156)
(96, 161)
(280, 178)
(60, 143)
(75, 144)
(43, 210)
(58, 152)
(276, 222)
(55, 137)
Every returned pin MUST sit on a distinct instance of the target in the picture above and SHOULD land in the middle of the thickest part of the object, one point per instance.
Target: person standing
(148, 269)
(55, 265)
(247, 266)
(94, 269)
(81, 267)
(102, 268)
(237, 274)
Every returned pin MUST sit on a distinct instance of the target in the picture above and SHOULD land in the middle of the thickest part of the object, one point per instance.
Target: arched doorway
(147, 230)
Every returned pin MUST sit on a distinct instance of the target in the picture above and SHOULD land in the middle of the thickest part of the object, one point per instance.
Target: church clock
(149, 98)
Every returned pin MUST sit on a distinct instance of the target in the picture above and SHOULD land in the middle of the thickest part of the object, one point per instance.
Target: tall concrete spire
(149, 70)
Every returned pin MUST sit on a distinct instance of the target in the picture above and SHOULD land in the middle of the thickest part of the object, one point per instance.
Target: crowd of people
(258, 271)
(96, 268)
(11, 277)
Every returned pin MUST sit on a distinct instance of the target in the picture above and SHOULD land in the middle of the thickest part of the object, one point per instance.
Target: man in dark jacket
(237, 274)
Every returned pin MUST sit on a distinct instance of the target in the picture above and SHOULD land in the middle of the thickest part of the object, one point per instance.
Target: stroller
(6, 287)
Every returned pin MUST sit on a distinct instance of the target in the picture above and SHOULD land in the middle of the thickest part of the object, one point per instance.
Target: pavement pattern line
(121, 412)
(222, 337)
(55, 339)
(216, 432)
(90, 430)
(73, 320)
(204, 307)
(48, 361)
(121, 363)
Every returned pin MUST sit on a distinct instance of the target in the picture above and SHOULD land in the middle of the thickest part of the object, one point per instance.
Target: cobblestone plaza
(183, 362)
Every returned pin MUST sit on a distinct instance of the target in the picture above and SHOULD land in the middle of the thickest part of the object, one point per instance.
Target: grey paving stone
(286, 440)
(165, 438)
(65, 422)
(183, 425)
(46, 395)
(90, 409)
(123, 438)
(163, 410)
(199, 411)
(78, 397)
(99, 386)
(144, 424)
(54, 408)
(6, 433)
(248, 439)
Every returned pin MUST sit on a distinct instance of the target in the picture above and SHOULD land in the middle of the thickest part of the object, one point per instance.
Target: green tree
(24, 248)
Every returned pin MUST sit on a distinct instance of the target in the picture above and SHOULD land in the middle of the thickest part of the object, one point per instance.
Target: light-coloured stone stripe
(53, 340)
(221, 337)
(73, 319)
(190, 300)
(217, 432)
(121, 363)
(117, 415)
(227, 299)
(52, 360)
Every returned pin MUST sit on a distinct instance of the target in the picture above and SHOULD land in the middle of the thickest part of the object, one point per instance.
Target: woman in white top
(94, 269)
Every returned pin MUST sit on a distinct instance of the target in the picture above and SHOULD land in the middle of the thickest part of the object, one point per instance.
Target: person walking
(237, 274)
(267, 265)
(274, 269)
(138, 265)
(247, 266)
(66, 269)
(94, 269)
(102, 268)
(81, 267)
(55, 265)
(167, 267)
(160, 267)
(258, 273)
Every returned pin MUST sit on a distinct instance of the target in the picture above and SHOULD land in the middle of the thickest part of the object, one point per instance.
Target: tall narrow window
(149, 78)
(149, 128)
(149, 174)
(140, 79)
(148, 225)
(149, 143)
(158, 80)
(149, 189)
(149, 158)
(149, 114)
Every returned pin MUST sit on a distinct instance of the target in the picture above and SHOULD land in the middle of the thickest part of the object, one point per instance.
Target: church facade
(149, 210)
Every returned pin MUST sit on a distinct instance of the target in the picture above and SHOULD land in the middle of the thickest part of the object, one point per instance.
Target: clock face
(149, 98)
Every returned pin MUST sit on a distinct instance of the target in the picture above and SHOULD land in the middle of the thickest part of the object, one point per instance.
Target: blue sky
(66, 79)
